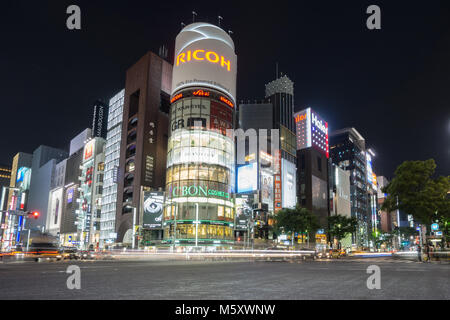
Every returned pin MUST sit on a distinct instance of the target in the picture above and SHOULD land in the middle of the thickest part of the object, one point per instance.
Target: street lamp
(134, 228)
(196, 225)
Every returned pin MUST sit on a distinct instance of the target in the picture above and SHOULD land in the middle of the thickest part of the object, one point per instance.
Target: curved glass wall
(200, 173)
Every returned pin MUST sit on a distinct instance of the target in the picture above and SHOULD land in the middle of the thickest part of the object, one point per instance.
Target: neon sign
(300, 117)
(319, 123)
(177, 97)
(201, 93)
(228, 102)
(193, 191)
(201, 55)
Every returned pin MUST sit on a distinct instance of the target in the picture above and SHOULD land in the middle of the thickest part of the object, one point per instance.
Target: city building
(372, 195)
(100, 119)
(254, 169)
(280, 93)
(313, 164)
(143, 148)
(200, 184)
(112, 156)
(340, 204)
(55, 200)
(43, 165)
(90, 193)
(266, 172)
(339, 181)
(15, 198)
(5, 175)
(71, 190)
(348, 151)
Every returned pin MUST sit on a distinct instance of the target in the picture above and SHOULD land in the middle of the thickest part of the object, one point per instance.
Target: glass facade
(200, 171)
(112, 155)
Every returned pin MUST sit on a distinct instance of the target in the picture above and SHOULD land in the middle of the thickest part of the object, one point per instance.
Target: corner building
(200, 189)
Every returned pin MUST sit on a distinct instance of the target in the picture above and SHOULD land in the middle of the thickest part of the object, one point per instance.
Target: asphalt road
(198, 280)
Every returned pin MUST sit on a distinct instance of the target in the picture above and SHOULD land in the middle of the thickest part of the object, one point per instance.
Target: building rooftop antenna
(194, 14)
(220, 19)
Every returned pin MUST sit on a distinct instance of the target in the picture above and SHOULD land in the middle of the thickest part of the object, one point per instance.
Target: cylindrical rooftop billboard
(204, 57)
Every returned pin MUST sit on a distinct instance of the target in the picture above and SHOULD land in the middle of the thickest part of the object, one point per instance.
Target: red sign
(221, 118)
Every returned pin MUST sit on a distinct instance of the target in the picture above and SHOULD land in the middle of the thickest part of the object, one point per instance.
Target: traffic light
(33, 214)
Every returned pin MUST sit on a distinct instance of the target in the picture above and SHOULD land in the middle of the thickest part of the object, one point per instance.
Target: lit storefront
(200, 173)
(199, 206)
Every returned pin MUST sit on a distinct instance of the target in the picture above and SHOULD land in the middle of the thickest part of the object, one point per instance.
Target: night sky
(392, 85)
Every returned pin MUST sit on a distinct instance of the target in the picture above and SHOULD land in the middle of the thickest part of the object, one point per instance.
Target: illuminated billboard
(312, 131)
(288, 179)
(55, 208)
(247, 176)
(89, 150)
(153, 210)
(267, 188)
(204, 57)
(70, 194)
(244, 211)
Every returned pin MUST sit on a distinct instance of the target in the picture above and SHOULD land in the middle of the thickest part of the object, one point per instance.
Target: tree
(414, 191)
(339, 226)
(298, 219)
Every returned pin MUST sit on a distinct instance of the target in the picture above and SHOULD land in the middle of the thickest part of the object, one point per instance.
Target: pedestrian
(429, 251)
(419, 253)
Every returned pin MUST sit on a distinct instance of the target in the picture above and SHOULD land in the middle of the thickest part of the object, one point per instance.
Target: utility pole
(196, 225)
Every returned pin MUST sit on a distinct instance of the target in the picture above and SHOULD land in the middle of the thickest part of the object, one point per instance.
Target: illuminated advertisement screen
(204, 56)
(153, 210)
(247, 178)
(21, 174)
(288, 179)
(55, 208)
(70, 195)
(89, 150)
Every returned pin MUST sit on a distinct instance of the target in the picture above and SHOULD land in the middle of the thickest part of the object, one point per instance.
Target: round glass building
(199, 208)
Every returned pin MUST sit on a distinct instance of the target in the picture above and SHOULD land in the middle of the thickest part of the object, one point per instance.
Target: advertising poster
(153, 210)
(70, 195)
(55, 208)
(247, 178)
(267, 189)
(288, 179)
(243, 211)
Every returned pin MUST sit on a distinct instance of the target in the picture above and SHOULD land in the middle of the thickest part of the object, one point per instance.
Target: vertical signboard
(277, 181)
(153, 210)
